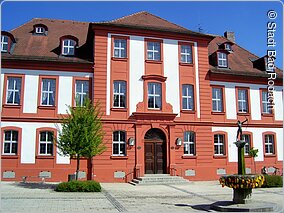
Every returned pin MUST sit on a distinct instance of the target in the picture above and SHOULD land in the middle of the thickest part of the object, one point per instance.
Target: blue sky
(247, 19)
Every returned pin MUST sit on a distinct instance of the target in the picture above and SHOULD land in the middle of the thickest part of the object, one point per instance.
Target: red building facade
(170, 99)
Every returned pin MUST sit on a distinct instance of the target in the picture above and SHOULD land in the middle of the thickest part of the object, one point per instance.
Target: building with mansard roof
(170, 99)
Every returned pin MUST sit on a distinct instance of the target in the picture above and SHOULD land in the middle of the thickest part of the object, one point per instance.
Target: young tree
(81, 134)
(253, 153)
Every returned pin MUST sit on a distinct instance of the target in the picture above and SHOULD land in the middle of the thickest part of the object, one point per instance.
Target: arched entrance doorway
(155, 152)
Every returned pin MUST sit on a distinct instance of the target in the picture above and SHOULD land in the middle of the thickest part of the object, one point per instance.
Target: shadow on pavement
(33, 185)
(200, 207)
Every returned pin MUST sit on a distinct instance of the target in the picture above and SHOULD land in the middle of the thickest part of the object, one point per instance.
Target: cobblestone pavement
(122, 197)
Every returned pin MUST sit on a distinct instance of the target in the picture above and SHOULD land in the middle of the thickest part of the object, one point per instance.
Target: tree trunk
(78, 167)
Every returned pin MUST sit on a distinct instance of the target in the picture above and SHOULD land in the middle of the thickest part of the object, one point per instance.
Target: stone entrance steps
(158, 179)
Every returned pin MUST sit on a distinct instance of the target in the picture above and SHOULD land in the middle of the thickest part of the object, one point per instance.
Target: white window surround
(81, 91)
(13, 95)
(120, 143)
(153, 51)
(39, 30)
(68, 47)
(48, 94)
(47, 143)
(222, 59)
(217, 99)
(4, 43)
(189, 141)
(119, 49)
(219, 143)
(11, 143)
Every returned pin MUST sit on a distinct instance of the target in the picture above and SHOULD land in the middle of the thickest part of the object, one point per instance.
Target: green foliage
(79, 186)
(272, 181)
(253, 152)
(81, 134)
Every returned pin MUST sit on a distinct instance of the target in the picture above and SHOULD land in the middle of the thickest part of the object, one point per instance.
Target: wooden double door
(155, 157)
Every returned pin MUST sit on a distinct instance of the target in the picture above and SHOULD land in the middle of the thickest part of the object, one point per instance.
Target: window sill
(118, 157)
(154, 109)
(247, 156)
(220, 156)
(188, 111)
(44, 157)
(47, 107)
(267, 114)
(243, 113)
(218, 113)
(154, 61)
(118, 109)
(189, 157)
(16, 106)
(5, 156)
(186, 64)
(269, 156)
(119, 59)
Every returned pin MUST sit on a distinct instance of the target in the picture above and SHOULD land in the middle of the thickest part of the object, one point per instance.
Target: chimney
(230, 36)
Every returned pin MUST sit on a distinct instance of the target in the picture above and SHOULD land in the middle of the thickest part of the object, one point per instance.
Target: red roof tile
(240, 61)
(39, 46)
(145, 20)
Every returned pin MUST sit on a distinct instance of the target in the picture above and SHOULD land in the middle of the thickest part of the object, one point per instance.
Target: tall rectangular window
(186, 54)
(119, 48)
(46, 143)
(48, 92)
(217, 99)
(4, 43)
(82, 92)
(10, 142)
(222, 59)
(154, 96)
(219, 144)
(247, 146)
(119, 143)
(154, 51)
(189, 143)
(119, 94)
(187, 97)
(242, 100)
(269, 144)
(13, 95)
(265, 103)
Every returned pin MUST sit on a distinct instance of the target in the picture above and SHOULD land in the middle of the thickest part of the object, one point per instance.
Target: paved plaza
(123, 197)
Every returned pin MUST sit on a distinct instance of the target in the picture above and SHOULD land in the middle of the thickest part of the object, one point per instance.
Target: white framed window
(119, 94)
(265, 103)
(247, 146)
(219, 144)
(242, 100)
(46, 143)
(222, 59)
(119, 143)
(187, 97)
(81, 92)
(68, 47)
(39, 30)
(119, 48)
(48, 92)
(186, 54)
(269, 144)
(10, 142)
(154, 96)
(13, 95)
(189, 143)
(154, 51)
(4, 43)
(217, 99)
(228, 46)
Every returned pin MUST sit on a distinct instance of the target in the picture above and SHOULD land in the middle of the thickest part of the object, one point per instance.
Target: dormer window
(4, 43)
(39, 30)
(222, 59)
(68, 47)
(228, 47)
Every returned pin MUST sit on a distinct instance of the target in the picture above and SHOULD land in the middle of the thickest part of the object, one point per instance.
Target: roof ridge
(124, 17)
